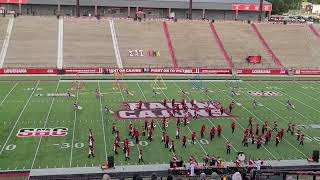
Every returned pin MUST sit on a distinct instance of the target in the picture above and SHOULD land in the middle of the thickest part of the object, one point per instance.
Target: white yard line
(60, 44)
(19, 117)
(74, 126)
(102, 122)
(6, 42)
(115, 44)
(45, 125)
(9, 93)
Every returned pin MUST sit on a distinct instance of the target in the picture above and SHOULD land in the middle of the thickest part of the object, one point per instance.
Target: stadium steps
(145, 35)
(4, 37)
(169, 44)
(266, 46)
(33, 42)
(314, 31)
(88, 43)
(240, 41)
(290, 43)
(194, 46)
(221, 46)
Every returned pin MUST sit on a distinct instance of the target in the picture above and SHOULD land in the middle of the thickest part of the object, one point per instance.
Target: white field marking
(209, 121)
(74, 126)
(262, 121)
(115, 44)
(9, 93)
(45, 125)
(102, 121)
(60, 45)
(18, 119)
(187, 126)
(145, 98)
(6, 42)
(121, 92)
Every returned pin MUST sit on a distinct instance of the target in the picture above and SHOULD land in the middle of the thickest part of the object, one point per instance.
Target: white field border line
(209, 120)
(102, 121)
(199, 144)
(19, 117)
(284, 118)
(145, 98)
(74, 126)
(60, 44)
(115, 44)
(9, 93)
(6, 42)
(250, 112)
(44, 126)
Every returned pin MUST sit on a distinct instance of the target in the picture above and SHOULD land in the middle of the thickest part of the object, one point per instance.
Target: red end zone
(160, 110)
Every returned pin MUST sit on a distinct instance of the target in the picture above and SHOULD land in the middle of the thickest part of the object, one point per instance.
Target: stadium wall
(106, 11)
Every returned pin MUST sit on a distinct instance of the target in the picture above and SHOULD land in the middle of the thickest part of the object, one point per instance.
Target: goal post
(159, 83)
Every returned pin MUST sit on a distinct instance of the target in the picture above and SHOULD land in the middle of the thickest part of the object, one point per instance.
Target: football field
(28, 105)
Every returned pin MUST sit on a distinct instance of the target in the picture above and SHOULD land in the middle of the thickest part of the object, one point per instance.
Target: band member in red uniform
(152, 124)
(178, 121)
(275, 126)
(229, 147)
(231, 106)
(233, 126)
(140, 156)
(172, 146)
(163, 137)
(259, 141)
(143, 130)
(173, 102)
(219, 130)
(91, 152)
(140, 105)
(178, 133)
(127, 155)
(130, 127)
(250, 122)
(251, 131)
(136, 135)
(277, 139)
(185, 120)
(257, 129)
(245, 140)
(167, 139)
(281, 132)
(212, 132)
(133, 132)
(193, 136)
(115, 148)
(221, 110)
(113, 128)
(165, 103)
(150, 134)
(164, 121)
(289, 127)
(146, 125)
(252, 139)
(208, 110)
(184, 140)
(202, 130)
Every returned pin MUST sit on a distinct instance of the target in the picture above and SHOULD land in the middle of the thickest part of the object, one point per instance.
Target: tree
(283, 6)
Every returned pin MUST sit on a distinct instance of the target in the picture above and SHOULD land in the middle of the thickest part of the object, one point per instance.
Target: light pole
(260, 13)
(190, 9)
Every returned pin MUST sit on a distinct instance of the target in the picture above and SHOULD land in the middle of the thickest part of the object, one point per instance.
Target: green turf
(21, 109)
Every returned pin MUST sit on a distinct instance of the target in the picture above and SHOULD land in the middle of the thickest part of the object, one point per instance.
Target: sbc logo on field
(39, 132)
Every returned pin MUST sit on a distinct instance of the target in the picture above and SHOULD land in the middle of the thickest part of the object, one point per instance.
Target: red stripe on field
(14, 174)
(222, 49)
(314, 31)
(266, 46)
(169, 44)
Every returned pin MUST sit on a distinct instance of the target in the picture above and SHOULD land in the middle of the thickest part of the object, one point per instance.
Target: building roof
(179, 4)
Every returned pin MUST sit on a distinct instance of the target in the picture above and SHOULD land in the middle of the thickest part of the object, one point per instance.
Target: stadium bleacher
(88, 43)
(33, 42)
(195, 45)
(240, 42)
(146, 36)
(290, 43)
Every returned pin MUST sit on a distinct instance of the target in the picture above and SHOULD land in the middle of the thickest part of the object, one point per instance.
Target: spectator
(258, 164)
(106, 177)
(236, 176)
(154, 176)
(214, 176)
(170, 177)
(202, 176)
